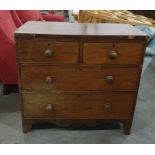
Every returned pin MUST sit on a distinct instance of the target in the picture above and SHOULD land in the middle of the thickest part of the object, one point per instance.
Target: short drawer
(82, 105)
(113, 53)
(48, 51)
(78, 78)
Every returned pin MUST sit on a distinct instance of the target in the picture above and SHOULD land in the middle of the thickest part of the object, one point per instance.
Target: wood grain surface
(71, 71)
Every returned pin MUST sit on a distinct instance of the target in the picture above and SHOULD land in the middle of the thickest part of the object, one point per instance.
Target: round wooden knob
(49, 107)
(48, 53)
(107, 107)
(110, 79)
(49, 79)
(113, 55)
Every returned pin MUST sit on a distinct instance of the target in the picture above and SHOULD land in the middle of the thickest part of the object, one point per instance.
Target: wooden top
(41, 28)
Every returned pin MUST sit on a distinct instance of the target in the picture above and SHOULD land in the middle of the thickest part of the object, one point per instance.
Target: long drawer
(113, 53)
(78, 78)
(78, 105)
(48, 51)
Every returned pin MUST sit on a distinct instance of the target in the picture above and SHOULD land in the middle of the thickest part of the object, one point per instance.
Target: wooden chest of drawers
(79, 71)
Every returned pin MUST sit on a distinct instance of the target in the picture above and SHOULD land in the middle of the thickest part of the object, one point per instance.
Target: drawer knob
(48, 53)
(49, 107)
(113, 55)
(49, 79)
(110, 79)
(107, 107)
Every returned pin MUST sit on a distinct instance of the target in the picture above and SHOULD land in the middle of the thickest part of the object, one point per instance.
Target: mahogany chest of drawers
(79, 71)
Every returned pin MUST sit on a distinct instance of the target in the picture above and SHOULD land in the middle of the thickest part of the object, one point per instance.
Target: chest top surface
(77, 29)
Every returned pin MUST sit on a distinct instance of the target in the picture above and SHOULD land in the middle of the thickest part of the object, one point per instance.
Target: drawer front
(48, 51)
(24, 48)
(72, 105)
(74, 78)
(108, 53)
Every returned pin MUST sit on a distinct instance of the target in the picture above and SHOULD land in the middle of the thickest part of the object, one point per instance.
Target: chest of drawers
(79, 71)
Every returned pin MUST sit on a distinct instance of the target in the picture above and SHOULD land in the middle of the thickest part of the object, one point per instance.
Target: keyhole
(79, 95)
(113, 46)
(80, 69)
